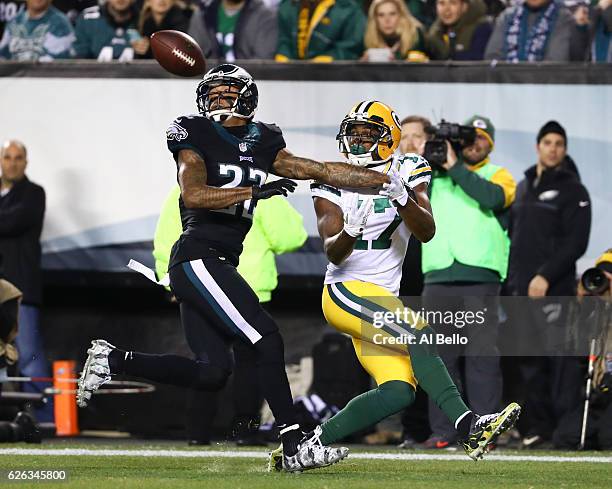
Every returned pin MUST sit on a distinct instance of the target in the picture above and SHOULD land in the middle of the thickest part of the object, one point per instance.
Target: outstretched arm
(336, 174)
(195, 192)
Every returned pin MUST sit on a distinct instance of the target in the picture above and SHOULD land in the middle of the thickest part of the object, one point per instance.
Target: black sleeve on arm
(478, 43)
(488, 195)
(576, 218)
(579, 46)
(17, 219)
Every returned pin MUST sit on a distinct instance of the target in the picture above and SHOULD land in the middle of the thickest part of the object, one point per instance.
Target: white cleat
(312, 454)
(96, 371)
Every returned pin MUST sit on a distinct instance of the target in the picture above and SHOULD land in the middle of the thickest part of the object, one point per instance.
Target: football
(178, 53)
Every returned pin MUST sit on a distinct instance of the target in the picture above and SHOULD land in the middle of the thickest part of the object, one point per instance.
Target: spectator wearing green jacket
(320, 30)
(464, 266)
(277, 228)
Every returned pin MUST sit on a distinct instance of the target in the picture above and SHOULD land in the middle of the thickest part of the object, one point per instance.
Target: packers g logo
(396, 119)
(176, 132)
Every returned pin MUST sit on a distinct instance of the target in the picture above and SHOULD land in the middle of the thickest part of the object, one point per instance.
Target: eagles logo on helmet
(369, 122)
(237, 81)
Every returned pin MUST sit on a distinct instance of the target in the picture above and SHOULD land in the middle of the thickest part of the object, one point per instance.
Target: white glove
(355, 215)
(396, 189)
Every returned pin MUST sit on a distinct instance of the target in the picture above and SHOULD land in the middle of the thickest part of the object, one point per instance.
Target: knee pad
(270, 349)
(211, 377)
(396, 395)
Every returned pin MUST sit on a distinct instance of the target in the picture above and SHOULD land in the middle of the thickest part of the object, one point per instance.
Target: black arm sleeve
(576, 216)
(579, 47)
(17, 219)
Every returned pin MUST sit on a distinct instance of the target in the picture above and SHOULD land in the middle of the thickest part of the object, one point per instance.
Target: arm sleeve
(489, 195)
(284, 49)
(82, 44)
(478, 43)
(19, 218)
(197, 30)
(576, 217)
(59, 41)
(181, 134)
(579, 46)
(415, 170)
(281, 224)
(505, 180)
(495, 46)
(264, 46)
(350, 44)
(558, 48)
(167, 231)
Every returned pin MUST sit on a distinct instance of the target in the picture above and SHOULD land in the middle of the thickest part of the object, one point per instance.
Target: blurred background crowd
(317, 30)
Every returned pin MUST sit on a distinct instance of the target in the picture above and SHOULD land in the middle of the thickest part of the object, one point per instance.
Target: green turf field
(224, 471)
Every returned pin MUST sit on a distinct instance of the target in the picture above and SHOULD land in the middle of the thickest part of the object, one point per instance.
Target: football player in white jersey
(365, 238)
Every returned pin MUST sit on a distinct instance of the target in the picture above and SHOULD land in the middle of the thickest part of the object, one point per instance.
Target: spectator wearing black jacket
(549, 229)
(22, 208)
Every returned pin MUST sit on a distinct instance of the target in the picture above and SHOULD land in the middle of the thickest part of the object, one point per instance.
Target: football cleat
(275, 460)
(311, 454)
(96, 371)
(485, 430)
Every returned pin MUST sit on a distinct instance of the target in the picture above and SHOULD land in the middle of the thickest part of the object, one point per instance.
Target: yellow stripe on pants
(380, 362)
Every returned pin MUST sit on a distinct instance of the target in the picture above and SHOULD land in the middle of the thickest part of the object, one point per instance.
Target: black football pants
(217, 309)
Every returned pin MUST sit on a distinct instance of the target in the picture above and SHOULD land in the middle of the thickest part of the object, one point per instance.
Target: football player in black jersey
(223, 158)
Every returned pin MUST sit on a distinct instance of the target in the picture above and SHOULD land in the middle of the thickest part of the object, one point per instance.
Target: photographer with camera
(550, 224)
(589, 425)
(466, 261)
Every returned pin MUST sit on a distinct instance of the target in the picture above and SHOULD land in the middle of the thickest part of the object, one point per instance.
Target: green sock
(367, 409)
(432, 376)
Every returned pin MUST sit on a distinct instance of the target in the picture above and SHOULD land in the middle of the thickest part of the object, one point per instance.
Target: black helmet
(231, 76)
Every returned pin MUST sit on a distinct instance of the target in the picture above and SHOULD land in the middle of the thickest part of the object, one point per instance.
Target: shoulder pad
(271, 127)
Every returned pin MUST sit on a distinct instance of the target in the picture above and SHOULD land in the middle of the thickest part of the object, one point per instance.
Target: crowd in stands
(317, 30)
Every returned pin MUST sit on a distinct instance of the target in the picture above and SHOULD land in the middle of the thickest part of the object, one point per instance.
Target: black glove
(278, 187)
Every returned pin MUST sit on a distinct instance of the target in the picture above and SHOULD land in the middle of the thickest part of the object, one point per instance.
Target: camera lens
(595, 281)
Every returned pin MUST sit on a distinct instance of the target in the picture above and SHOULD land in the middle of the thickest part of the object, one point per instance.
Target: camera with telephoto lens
(595, 281)
(457, 135)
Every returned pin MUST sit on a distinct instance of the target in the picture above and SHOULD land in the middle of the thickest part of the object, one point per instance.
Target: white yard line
(253, 454)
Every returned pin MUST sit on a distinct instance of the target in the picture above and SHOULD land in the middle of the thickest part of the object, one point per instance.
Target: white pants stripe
(226, 304)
